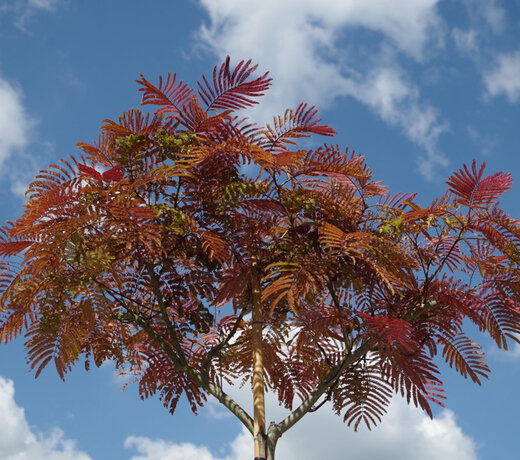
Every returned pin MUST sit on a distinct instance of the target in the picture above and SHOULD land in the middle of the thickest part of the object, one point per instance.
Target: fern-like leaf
(465, 356)
(293, 125)
(363, 395)
(232, 89)
(351, 245)
(12, 248)
(216, 248)
(292, 282)
(171, 95)
(473, 188)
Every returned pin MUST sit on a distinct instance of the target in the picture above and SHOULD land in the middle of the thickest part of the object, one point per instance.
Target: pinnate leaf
(473, 188)
(232, 89)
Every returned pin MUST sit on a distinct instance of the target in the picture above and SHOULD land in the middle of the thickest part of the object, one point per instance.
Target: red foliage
(151, 262)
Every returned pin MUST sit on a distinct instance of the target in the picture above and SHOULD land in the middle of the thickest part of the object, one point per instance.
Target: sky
(420, 87)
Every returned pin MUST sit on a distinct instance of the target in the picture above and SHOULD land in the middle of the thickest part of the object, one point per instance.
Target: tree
(156, 248)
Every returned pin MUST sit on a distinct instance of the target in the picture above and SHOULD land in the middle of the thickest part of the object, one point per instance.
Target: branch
(180, 364)
(348, 344)
(217, 348)
(323, 387)
(176, 201)
(114, 293)
(429, 279)
(195, 375)
(330, 379)
(228, 402)
(425, 307)
(162, 307)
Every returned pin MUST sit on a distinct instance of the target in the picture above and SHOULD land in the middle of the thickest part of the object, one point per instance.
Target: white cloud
(17, 136)
(161, 450)
(405, 434)
(21, 167)
(15, 124)
(216, 410)
(19, 442)
(504, 78)
(297, 40)
(408, 23)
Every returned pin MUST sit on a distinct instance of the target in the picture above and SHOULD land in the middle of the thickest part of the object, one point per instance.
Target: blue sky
(419, 86)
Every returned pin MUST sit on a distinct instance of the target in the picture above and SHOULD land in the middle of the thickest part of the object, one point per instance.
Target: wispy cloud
(397, 101)
(409, 24)
(487, 13)
(22, 166)
(486, 19)
(485, 144)
(493, 13)
(466, 41)
(513, 354)
(510, 355)
(504, 78)
(298, 41)
(23, 11)
(47, 5)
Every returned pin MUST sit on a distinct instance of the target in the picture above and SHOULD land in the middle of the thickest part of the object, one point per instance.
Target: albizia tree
(158, 248)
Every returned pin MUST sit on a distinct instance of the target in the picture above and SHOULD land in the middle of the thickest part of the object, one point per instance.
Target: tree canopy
(195, 248)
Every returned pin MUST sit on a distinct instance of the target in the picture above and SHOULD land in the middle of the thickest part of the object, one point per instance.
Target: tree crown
(143, 250)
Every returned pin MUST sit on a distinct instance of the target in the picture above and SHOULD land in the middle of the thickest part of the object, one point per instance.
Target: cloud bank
(19, 442)
(17, 136)
(298, 41)
(405, 434)
(15, 124)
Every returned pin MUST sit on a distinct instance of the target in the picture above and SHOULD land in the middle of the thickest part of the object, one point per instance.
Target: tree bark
(273, 434)
(259, 435)
(270, 447)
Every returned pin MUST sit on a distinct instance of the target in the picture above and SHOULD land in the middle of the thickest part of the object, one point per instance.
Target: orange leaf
(14, 247)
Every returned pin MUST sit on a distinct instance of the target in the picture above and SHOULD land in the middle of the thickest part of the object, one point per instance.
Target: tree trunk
(272, 438)
(260, 438)
(270, 451)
